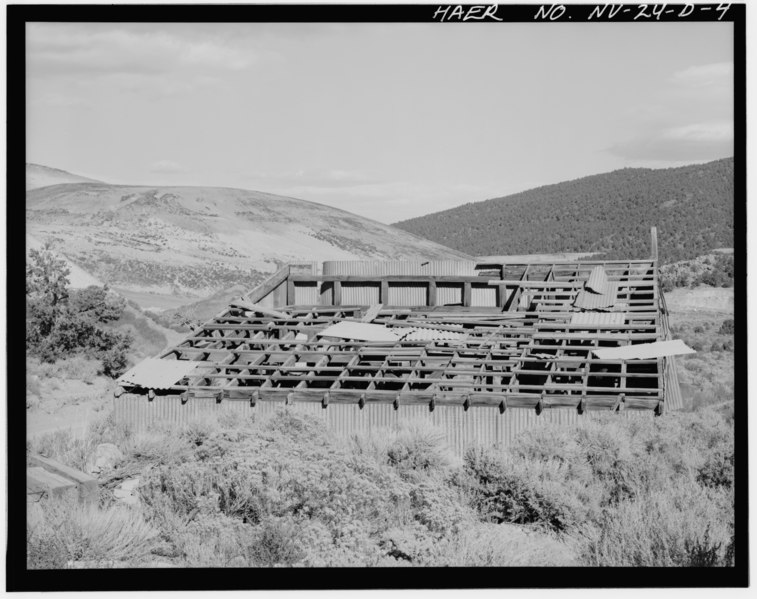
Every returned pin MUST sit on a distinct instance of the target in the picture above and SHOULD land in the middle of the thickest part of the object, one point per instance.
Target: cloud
(692, 142)
(167, 167)
(689, 119)
(64, 49)
(59, 100)
(707, 75)
(702, 132)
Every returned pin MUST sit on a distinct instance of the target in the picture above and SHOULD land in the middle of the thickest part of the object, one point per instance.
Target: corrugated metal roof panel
(598, 318)
(644, 351)
(587, 300)
(597, 282)
(154, 373)
(422, 334)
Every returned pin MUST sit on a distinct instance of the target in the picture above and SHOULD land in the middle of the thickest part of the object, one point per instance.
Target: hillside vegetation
(611, 214)
(713, 270)
(168, 246)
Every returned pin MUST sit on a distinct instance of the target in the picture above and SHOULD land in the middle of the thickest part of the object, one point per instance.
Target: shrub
(61, 532)
(288, 467)
(417, 448)
(414, 449)
(114, 360)
(75, 450)
(683, 525)
(717, 470)
(727, 328)
(72, 368)
(503, 545)
(508, 489)
(440, 507)
(61, 322)
(283, 491)
(276, 542)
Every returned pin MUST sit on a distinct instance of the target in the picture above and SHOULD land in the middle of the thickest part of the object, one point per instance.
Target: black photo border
(18, 578)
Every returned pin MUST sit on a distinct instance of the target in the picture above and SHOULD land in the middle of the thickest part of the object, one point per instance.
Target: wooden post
(384, 299)
(290, 292)
(432, 293)
(337, 293)
(654, 244)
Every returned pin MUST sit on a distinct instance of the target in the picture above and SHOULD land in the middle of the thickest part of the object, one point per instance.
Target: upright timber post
(654, 244)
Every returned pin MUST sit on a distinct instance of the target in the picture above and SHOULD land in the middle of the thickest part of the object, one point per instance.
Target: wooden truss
(509, 338)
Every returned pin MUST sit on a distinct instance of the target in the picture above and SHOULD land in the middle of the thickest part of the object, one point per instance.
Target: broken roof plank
(372, 313)
(361, 331)
(252, 307)
(645, 351)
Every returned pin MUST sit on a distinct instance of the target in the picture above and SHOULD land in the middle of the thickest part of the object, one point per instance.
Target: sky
(389, 121)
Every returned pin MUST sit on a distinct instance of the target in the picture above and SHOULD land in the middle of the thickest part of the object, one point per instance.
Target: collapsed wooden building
(481, 349)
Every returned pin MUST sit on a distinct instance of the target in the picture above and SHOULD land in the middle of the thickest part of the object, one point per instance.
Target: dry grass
(506, 545)
(63, 533)
(679, 526)
(78, 368)
(415, 448)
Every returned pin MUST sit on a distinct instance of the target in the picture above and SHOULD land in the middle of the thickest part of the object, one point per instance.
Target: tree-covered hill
(611, 213)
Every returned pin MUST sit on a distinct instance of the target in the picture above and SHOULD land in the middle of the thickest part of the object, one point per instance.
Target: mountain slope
(167, 246)
(42, 176)
(611, 213)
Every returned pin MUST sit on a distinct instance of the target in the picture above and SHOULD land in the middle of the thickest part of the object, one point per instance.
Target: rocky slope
(168, 246)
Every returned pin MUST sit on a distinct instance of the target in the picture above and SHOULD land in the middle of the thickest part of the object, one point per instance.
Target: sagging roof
(499, 334)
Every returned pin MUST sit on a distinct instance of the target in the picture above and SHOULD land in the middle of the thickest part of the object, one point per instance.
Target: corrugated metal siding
(327, 294)
(305, 295)
(483, 296)
(360, 294)
(478, 426)
(406, 294)
(449, 294)
(673, 396)
(399, 267)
